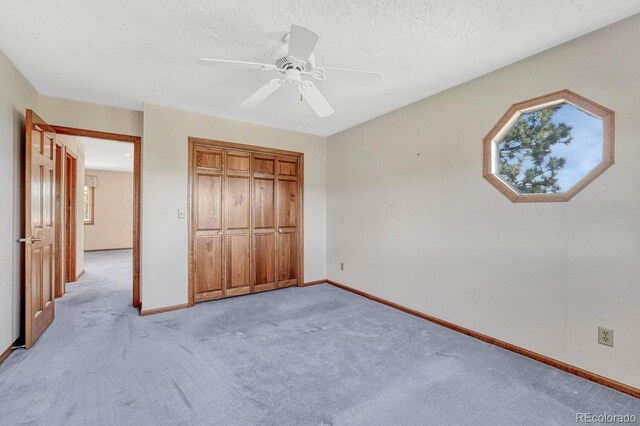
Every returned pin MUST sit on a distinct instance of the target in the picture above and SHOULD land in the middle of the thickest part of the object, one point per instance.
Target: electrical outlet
(341, 266)
(605, 336)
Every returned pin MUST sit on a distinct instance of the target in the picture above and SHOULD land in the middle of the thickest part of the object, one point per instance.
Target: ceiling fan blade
(236, 64)
(302, 41)
(263, 93)
(314, 98)
(357, 77)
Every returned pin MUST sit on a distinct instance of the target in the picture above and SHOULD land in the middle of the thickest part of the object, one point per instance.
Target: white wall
(16, 95)
(165, 186)
(413, 220)
(113, 211)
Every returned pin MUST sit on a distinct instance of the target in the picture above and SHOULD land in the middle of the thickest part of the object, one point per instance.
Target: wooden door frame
(243, 147)
(59, 209)
(70, 218)
(137, 188)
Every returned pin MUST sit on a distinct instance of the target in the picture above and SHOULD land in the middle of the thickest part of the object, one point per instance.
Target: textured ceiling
(100, 154)
(128, 52)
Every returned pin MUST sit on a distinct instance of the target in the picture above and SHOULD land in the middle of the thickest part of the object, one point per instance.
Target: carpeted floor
(297, 356)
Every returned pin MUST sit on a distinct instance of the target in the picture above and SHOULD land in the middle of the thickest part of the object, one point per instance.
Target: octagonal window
(549, 148)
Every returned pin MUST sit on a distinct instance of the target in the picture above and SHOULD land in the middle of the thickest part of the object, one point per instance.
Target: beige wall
(86, 115)
(164, 191)
(16, 95)
(113, 211)
(414, 222)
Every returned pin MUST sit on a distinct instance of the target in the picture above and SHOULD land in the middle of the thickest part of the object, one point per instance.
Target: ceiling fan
(295, 60)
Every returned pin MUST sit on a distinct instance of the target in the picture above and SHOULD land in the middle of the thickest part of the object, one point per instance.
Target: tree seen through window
(550, 149)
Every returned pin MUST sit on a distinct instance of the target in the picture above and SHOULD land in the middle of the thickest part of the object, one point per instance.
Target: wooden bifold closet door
(245, 219)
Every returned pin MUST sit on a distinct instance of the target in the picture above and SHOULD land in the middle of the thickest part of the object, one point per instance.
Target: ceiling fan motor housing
(291, 68)
(281, 58)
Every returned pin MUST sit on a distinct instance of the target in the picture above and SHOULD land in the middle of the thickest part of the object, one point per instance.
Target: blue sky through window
(585, 150)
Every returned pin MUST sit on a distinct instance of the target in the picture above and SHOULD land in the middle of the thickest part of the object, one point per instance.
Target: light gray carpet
(298, 356)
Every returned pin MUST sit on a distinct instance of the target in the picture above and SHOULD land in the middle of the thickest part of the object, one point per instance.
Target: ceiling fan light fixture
(293, 76)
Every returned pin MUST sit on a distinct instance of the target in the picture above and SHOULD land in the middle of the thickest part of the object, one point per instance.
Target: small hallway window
(89, 194)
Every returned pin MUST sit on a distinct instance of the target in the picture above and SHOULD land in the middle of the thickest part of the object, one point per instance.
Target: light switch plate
(180, 213)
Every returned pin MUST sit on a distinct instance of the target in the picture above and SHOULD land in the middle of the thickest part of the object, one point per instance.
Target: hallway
(106, 272)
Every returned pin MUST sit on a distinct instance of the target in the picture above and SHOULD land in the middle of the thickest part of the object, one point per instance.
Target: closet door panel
(287, 259)
(264, 222)
(264, 201)
(288, 204)
(238, 265)
(264, 261)
(207, 160)
(209, 200)
(238, 202)
(208, 267)
(207, 223)
(264, 164)
(287, 166)
(238, 162)
(238, 222)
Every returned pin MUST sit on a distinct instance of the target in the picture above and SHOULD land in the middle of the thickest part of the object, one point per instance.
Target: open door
(40, 226)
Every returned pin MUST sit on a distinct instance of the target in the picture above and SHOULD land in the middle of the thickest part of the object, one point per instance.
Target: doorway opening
(101, 213)
(70, 219)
